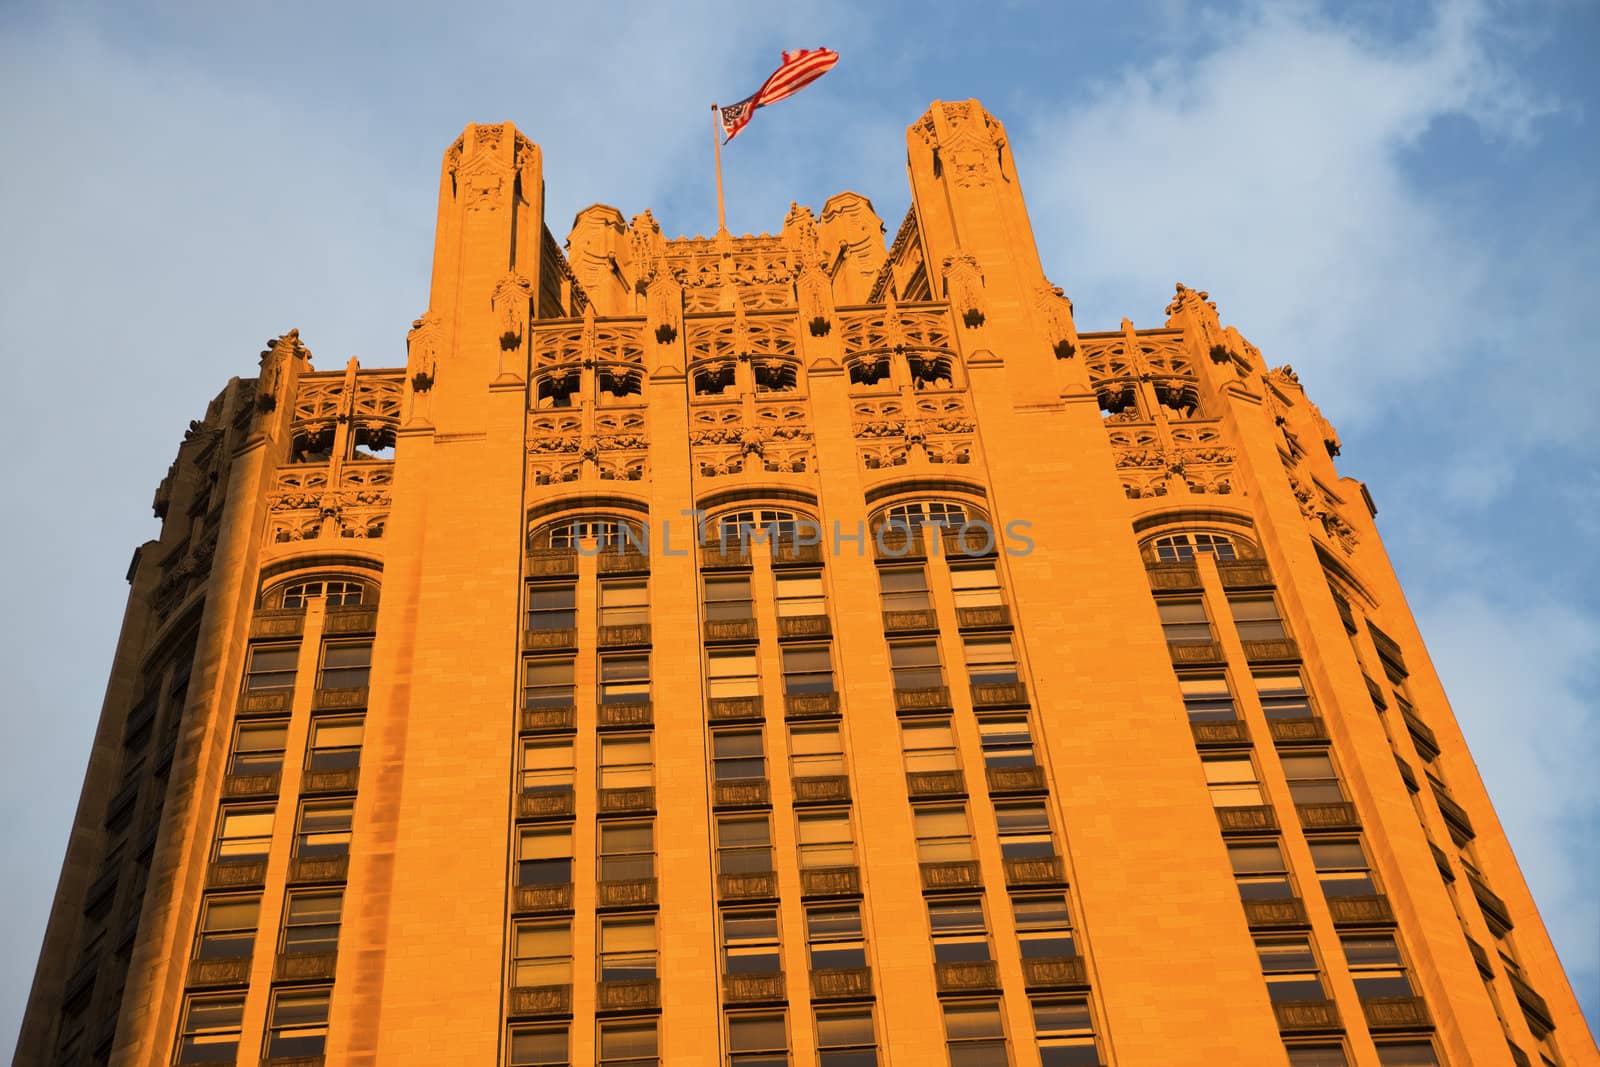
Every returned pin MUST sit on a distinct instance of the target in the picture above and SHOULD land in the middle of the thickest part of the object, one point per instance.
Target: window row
(333, 744)
(343, 665)
(322, 831)
(212, 1025)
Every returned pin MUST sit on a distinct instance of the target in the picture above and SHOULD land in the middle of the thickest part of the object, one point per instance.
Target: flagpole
(716, 144)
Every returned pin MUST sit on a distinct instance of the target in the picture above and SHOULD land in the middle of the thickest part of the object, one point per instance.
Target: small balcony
(1453, 813)
(910, 622)
(893, 544)
(734, 709)
(754, 988)
(1288, 912)
(1004, 695)
(928, 698)
(1307, 1016)
(555, 563)
(558, 720)
(967, 976)
(758, 885)
(1035, 871)
(1283, 650)
(539, 1001)
(634, 636)
(803, 627)
(632, 995)
(1015, 781)
(342, 780)
(723, 557)
(1396, 1013)
(633, 893)
(636, 801)
(265, 702)
(741, 793)
(1198, 654)
(305, 966)
(1056, 972)
(236, 874)
(339, 699)
(631, 716)
(1247, 819)
(789, 552)
(1315, 818)
(616, 560)
(820, 882)
(1422, 734)
(810, 705)
(852, 983)
(1494, 908)
(318, 870)
(548, 899)
(1173, 577)
(922, 785)
(967, 542)
(547, 804)
(821, 789)
(219, 973)
(549, 640)
(994, 617)
(1532, 1003)
(730, 631)
(941, 877)
(1220, 734)
(1371, 910)
(278, 623)
(1309, 730)
(242, 786)
(350, 621)
(1244, 574)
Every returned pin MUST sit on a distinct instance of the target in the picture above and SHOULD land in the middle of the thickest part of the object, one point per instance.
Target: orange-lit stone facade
(1063, 709)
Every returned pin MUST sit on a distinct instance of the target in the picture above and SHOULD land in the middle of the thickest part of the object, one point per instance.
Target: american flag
(798, 70)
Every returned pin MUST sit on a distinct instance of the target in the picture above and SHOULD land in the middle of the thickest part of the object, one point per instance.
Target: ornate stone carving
(512, 301)
(1056, 311)
(422, 352)
(963, 287)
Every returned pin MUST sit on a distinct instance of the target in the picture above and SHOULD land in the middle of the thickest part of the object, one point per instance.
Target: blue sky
(1399, 200)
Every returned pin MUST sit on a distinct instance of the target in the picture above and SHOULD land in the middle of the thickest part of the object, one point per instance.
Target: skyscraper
(779, 649)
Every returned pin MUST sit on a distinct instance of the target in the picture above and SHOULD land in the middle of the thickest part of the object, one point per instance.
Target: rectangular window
(1312, 779)
(1183, 620)
(258, 747)
(1260, 872)
(627, 948)
(744, 844)
(750, 942)
(624, 679)
(335, 743)
(974, 1033)
(297, 1023)
(541, 954)
(548, 683)
(731, 674)
(1066, 1032)
(227, 928)
(826, 840)
(311, 922)
(904, 589)
(1318, 1055)
(845, 1037)
(1232, 782)
(627, 851)
(834, 937)
(1007, 741)
(552, 606)
(244, 834)
(1376, 966)
(757, 1039)
(800, 596)
(270, 667)
(1024, 831)
(807, 670)
(1411, 1052)
(544, 1046)
(1206, 697)
(1290, 968)
(942, 835)
(976, 585)
(959, 933)
(345, 664)
(324, 830)
(815, 751)
(624, 603)
(547, 766)
(1283, 694)
(210, 1030)
(728, 599)
(544, 857)
(930, 745)
(990, 661)
(628, 1043)
(625, 762)
(1256, 617)
(916, 665)
(1342, 869)
(1044, 927)
(737, 754)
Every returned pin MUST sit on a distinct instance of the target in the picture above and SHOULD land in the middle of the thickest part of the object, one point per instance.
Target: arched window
(1181, 547)
(335, 591)
(918, 513)
(748, 524)
(604, 531)
(311, 446)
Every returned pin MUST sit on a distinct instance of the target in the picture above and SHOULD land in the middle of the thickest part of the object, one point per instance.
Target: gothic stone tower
(779, 649)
